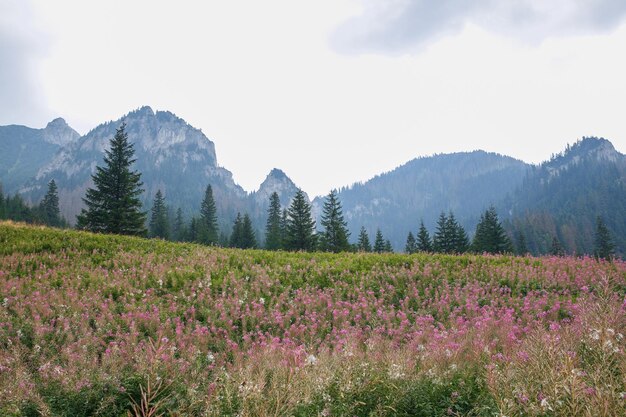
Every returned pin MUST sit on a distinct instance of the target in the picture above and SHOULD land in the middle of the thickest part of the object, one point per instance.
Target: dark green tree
(604, 246)
(411, 244)
(443, 240)
(363, 244)
(460, 240)
(113, 204)
(388, 247)
(520, 244)
(50, 206)
(159, 221)
(490, 236)
(2, 204)
(379, 242)
(178, 228)
(283, 229)
(424, 243)
(273, 238)
(237, 233)
(300, 228)
(335, 235)
(248, 237)
(194, 231)
(556, 248)
(208, 216)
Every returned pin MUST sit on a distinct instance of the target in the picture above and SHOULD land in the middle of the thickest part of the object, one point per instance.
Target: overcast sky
(331, 91)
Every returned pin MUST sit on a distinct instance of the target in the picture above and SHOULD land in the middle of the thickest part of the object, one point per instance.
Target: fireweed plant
(115, 326)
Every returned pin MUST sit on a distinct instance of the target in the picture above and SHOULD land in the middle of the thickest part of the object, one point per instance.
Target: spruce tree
(178, 228)
(113, 204)
(300, 228)
(459, 236)
(363, 244)
(520, 244)
(424, 243)
(411, 244)
(237, 233)
(556, 248)
(379, 242)
(490, 236)
(159, 222)
(50, 206)
(604, 246)
(248, 237)
(273, 240)
(388, 247)
(443, 240)
(208, 216)
(335, 234)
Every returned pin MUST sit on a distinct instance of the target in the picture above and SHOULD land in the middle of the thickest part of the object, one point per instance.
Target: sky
(330, 91)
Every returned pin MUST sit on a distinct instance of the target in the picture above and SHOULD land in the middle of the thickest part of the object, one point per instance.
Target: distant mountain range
(559, 198)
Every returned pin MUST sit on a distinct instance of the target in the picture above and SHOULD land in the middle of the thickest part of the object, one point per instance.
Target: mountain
(563, 196)
(465, 183)
(24, 150)
(171, 155)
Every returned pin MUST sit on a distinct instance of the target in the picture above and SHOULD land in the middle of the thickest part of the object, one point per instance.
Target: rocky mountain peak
(58, 132)
(276, 182)
(598, 149)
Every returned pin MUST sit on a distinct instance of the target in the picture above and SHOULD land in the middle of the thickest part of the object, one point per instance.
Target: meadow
(115, 326)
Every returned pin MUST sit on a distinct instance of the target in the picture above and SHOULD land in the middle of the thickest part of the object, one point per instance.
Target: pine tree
(335, 235)
(194, 232)
(363, 243)
(490, 236)
(379, 242)
(178, 228)
(50, 206)
(208, 216)
(248, 238)
(604, 246)
(159, 222)
(236, 235)
(520, 244)
(556, 249)
(300, 230)
(459, 236)
(424, 243)
(443, 240)
(273, 240)
(113, 206)
(388, 247)
(411, 244)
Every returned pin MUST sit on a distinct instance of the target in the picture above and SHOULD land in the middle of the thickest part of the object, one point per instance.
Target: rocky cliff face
(172, 156)
(24, 150)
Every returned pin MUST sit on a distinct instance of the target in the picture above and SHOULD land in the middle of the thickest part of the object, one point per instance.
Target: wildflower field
(117, 326)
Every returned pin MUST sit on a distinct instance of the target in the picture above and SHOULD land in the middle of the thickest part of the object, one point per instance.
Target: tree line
(113, 206)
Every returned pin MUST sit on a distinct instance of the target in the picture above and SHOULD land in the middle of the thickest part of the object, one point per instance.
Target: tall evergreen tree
(113, 206)
(208, 216)
(248, 238)
(411, 244)
(300, 225)
(237, 233)
(459, 236)
(443, 240)
(379, 242)
(159, 222)
(556, 249)
(335, 234)
(388, 247)
(50, 206)
(604, 246)
(273, 239)
(178, 228)
(424, 243)
(363, 244)
(490, 236)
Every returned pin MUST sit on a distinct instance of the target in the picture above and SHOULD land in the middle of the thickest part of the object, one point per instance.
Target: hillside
(90, 322)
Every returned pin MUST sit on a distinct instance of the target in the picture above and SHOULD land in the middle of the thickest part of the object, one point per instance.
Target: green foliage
(243, 236)
(208, 217)
(424, 242)
(300, 228)
(335, 235)
(411, 244)
(273, 238)
(159, 222)
(490, 236)
(50, 206)
(379, 242)
(450, 236)
(363, 244)
(556, 249)
(604, 246)
(113, 206)
(179, 230)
